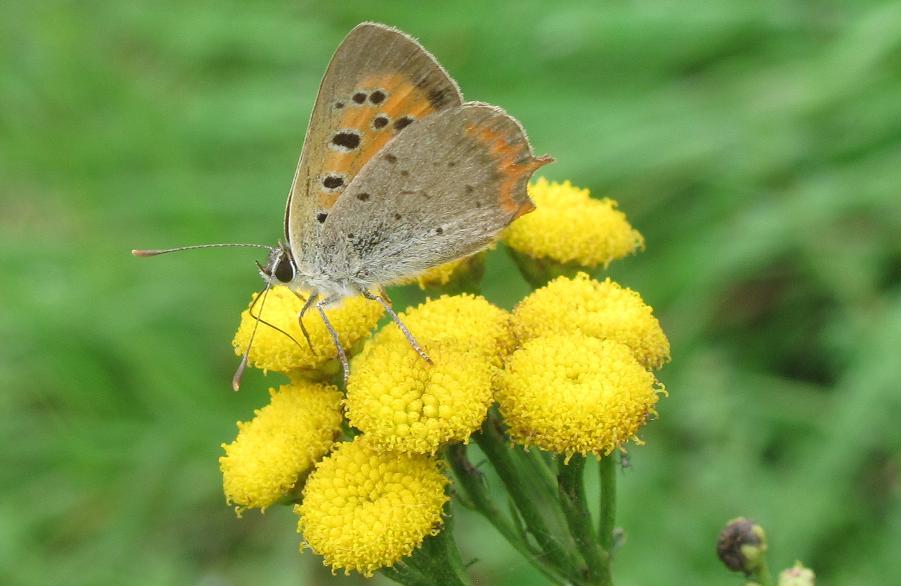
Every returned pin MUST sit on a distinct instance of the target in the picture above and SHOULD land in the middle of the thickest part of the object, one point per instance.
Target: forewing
(442, 190)
(378, 82)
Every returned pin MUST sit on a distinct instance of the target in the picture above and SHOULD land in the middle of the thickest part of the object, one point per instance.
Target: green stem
(534, 466)
(471, 481)
(575, 507)
(543, 470)
(439, 560)
(436, 561)
(493, 444)
(607, 522)
(450, 552)
(762, 572)
(607, 466)
(453, 553)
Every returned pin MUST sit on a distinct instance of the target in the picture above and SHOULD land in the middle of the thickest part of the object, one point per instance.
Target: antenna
(239, 372)
(158, 251)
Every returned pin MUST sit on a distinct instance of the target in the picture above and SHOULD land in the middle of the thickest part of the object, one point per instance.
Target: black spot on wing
(332, 181)
(439, 230)
(377, 97)
(346, 140)
(390, 158)
(363, 196)
(321, 216)
(402, 123)
(380, 121)
(359, 97)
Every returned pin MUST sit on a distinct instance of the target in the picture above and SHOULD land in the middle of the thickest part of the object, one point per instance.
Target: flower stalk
(575, 506)
(493, 444)
(438, 559)
(472, 484)
(607, 521)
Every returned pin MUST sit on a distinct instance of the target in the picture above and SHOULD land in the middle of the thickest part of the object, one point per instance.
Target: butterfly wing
(442, 190)
(378, 82)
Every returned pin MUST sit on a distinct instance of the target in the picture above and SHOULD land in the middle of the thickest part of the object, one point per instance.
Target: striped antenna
(159, 251)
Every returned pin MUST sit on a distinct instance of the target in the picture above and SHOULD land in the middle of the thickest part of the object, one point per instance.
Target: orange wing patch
(513, 162)
(374, 113)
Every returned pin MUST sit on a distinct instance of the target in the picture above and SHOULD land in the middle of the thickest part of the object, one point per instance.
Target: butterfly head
(280, 267)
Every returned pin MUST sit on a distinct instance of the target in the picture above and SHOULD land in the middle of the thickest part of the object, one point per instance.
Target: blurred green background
(754, 144)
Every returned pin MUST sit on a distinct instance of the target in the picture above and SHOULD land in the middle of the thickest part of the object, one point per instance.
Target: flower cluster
(570, 371)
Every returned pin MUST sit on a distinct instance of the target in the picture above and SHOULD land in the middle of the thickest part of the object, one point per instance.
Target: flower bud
(742, 545)
(797, 575)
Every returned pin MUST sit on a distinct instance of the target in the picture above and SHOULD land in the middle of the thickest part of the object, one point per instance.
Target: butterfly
(397, 175)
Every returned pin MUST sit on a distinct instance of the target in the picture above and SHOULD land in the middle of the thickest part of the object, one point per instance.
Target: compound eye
(284, 270)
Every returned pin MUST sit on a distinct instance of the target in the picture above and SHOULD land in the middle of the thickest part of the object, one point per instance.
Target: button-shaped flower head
(403, 403)
(575, 394)
(280, 444)
(463, 321)
(601, 310)
(353, 319)
(571, 228)
(363, 510)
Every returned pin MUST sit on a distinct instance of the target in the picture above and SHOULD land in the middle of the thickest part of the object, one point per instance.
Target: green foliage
(754, 144)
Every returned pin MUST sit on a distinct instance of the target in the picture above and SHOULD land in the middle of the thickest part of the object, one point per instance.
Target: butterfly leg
(331, 330)
(387, 305)
(308, 303)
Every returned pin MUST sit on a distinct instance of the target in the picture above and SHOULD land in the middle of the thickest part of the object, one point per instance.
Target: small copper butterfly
(397, 175)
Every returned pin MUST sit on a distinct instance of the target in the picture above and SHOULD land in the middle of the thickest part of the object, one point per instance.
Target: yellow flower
(570, 227)
(575, 394)
(282, 442)
(464, 321)
(363, 510)
(403, 403)
(603, 310)
(353, 319)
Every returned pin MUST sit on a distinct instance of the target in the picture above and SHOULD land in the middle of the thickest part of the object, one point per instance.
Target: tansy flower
(403, 403)
(465, 321)
(570, 227)
(363, 510)
(282, 442)
(600, 309)
(353, 319)
(575, 394)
